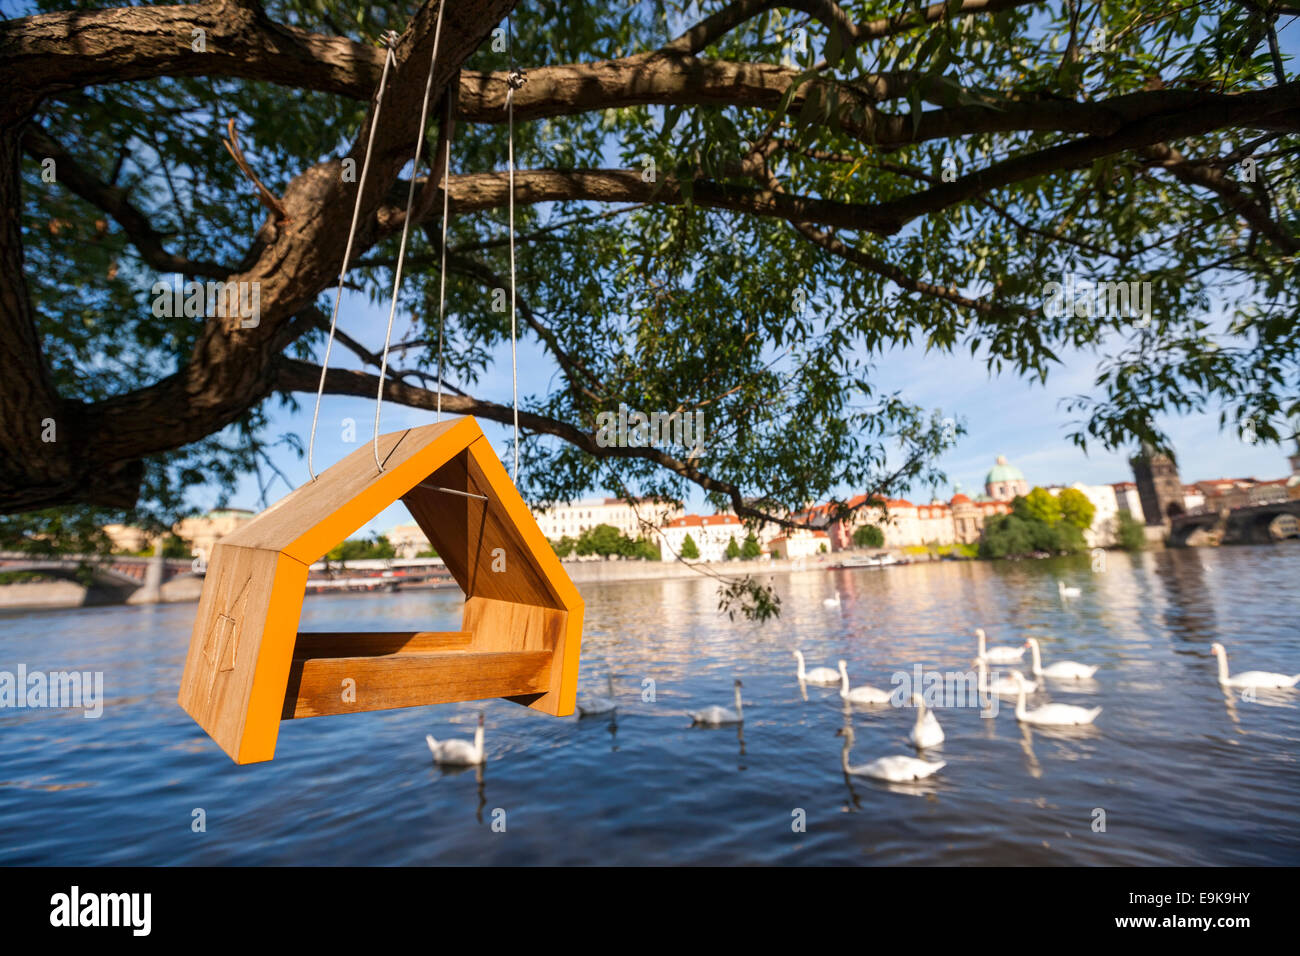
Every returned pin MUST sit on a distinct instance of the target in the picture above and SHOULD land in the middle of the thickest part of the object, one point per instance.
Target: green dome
(1003, 472)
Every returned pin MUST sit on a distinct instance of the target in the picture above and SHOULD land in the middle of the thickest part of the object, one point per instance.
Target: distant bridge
(117, 577)
(114, 572)
(1255, 524)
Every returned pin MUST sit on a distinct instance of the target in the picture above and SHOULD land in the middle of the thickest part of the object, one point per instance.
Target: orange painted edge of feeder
(548, 562)
(258, 729)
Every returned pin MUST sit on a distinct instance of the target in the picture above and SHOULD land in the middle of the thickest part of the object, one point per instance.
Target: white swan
(832, 602)
(896, 769)
(1053, 715)
(1067, 592)
(1001, 654)
(863, 694)
(818, 675)
(926, 732)
(716, 716)
(458, 753)
(589, 705)
(1002, 686)
(1060, 670)
(1261, 679)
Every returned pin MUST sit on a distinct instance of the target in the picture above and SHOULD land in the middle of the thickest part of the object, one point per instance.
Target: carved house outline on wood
(248, 667)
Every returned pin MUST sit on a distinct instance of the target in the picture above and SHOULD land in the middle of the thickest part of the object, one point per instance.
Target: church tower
(1159, 487)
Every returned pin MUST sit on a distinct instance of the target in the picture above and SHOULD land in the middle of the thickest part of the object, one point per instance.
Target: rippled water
(1184, 774)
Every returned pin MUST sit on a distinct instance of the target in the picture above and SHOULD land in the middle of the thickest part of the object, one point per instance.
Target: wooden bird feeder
(248, 667)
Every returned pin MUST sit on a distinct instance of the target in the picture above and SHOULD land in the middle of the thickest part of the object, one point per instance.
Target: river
(1173, 772)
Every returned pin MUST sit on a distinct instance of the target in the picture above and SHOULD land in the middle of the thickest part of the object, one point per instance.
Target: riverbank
(59, 594)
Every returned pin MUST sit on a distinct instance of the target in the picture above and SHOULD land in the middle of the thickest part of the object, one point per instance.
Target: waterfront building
(799, 543)
(935, 524)
(629, 518)
(1128, 500)
(408, 540)
(711, 534)
(1158, 485)
(202, 532)
(1005, 481)
(124, 537)
(907, 525)
(1104, 530)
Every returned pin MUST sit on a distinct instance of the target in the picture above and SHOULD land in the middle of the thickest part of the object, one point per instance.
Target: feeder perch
(249, 667)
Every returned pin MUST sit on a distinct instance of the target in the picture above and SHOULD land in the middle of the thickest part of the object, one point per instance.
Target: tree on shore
(1035, 525)
(751, 549)
(1132, 533)
(690, 551)
(1039, 505)
(1076, 508)
(868, 536)
(356, 549)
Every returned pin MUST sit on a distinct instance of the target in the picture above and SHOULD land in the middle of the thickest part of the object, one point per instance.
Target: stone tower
(1159, 487)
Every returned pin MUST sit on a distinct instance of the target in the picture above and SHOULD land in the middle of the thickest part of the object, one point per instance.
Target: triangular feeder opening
(248, 667)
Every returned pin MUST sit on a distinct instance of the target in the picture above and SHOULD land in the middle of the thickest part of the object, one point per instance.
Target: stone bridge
(1256, 524)
(116, 577)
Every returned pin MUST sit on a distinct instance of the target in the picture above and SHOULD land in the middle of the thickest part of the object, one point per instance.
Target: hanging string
(514, 81)
(406, 228)
(390, 42)
(442, 279)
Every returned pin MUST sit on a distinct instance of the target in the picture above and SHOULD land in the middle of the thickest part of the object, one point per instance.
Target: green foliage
(607, 541)
(640, 549)
(603, 539)
(1039, 505)
(690, 550)
(1131, 533)
(868, 536)
(360, 549)
(1076, 509)
(751, 549)
(1020, 534)
(56, 531)
(1005, 536)
(733, 550)
(753, 600)
(176, 547)
(427, 553)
